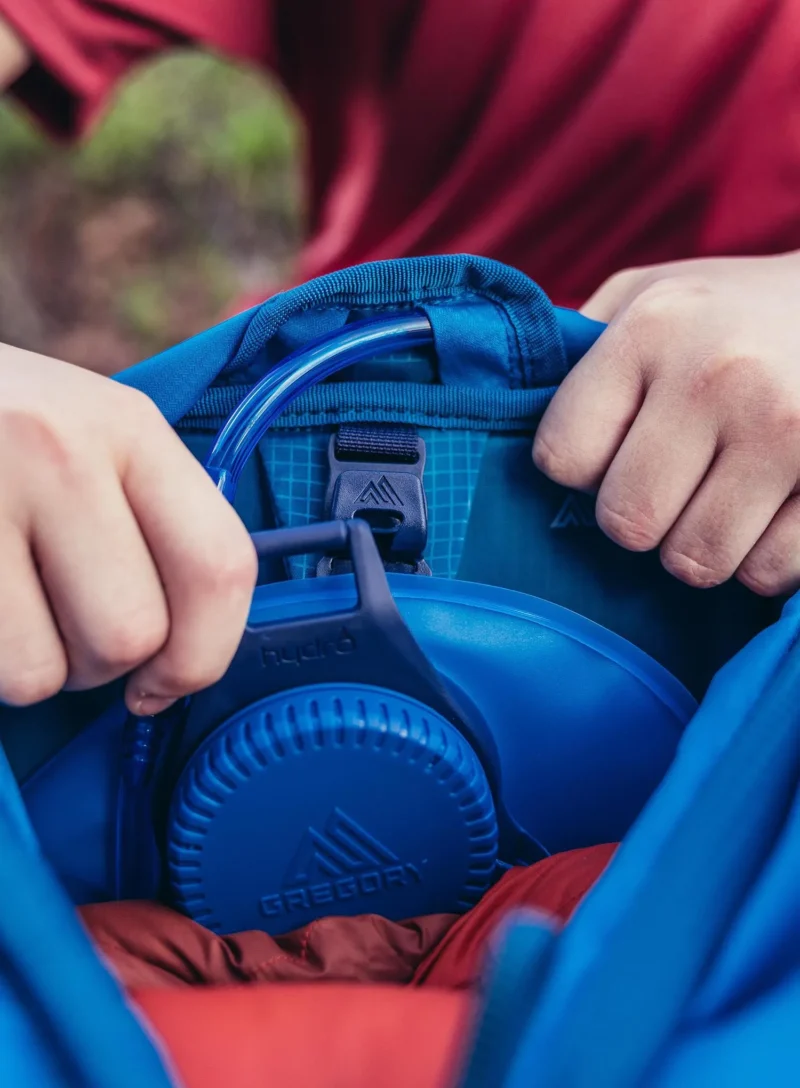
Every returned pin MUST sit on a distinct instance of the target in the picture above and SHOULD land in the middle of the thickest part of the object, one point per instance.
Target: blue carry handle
(579, 333)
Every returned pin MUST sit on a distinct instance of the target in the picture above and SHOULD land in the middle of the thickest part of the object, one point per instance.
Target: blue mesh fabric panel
(297, 467)
(451, 472)
(412, 365)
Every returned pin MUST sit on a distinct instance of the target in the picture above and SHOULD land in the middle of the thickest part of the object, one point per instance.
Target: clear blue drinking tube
(299, 371)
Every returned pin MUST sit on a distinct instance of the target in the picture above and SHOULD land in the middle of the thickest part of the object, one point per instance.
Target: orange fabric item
(218, 1034)
(297, 1036)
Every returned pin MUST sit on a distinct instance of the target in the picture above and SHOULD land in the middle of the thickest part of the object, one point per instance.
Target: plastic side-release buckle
(376, 475)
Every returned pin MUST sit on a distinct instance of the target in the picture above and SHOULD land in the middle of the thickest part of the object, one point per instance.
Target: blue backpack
(448, 670)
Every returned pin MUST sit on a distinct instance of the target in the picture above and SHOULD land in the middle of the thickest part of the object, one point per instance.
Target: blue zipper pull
(527, 942)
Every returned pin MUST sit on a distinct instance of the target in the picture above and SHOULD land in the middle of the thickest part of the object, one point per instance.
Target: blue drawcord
(137, 863)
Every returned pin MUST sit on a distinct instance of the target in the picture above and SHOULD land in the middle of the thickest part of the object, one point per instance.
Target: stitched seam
(284, 956)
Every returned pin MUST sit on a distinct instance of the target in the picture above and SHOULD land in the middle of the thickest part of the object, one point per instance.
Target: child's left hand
(685, 417)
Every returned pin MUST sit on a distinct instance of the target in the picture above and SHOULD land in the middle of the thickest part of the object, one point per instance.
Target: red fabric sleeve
(83, 48)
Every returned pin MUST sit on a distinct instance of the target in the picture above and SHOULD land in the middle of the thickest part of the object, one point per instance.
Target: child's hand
(116, 551)
(686, 417)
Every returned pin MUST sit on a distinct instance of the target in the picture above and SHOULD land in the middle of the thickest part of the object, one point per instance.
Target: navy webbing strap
(396, 444)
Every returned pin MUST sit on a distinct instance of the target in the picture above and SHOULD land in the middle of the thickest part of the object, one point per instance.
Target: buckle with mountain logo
(376, 475)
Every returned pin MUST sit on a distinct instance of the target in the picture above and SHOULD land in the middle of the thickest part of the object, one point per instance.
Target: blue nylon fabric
(533, 354)
(756, 1046)
(444, 407)
(463, 331)
(63, 1021)
(765, 938)
(26, 1059)
(12, 808)
(469, 345)
(694, 925)
(178, 377)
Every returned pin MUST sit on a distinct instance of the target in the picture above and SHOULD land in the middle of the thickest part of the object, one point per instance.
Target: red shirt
(570, 138)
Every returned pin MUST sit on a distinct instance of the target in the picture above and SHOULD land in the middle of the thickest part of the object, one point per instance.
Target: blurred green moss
(184, 197)
(20, 142)
(227, 122)
(145, 302)
(212, 118)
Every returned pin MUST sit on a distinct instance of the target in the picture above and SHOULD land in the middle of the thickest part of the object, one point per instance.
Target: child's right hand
(685, 419)
(117, 554)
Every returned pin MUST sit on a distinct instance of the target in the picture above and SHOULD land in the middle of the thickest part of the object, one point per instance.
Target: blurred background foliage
(185, 197)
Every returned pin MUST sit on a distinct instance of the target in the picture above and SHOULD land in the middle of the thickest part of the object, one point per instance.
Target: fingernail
(147, 705)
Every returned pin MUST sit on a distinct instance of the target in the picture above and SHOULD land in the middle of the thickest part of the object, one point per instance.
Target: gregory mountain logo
(342, 847)
(341, 862)
(577, 512)
(379, 493)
